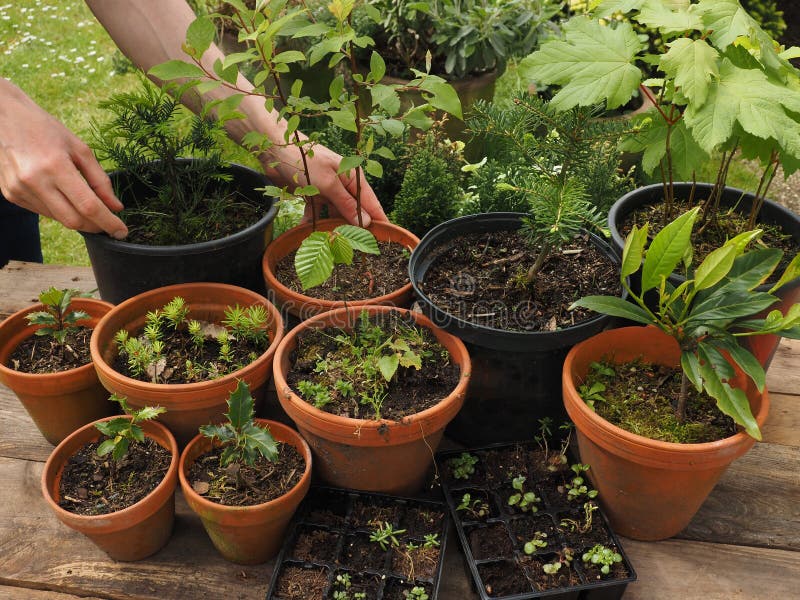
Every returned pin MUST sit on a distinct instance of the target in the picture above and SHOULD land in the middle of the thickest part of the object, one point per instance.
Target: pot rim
(370, 426)
(182, 388)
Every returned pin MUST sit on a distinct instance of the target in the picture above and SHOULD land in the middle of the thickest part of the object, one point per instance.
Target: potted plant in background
(245, 478)
(45, 360)
(655, 457)
(503, 281)
(371, 123)
(724, 88)
(114, 481)
(371, 390)
(185, 347)
(191, 216)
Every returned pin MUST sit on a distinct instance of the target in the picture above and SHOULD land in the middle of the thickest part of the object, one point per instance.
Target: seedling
(431, 540)
(538, 541)
(386, 534)
(577, 487)
(477, 507)
(525, 501)
(593, 393)
(603, 556)
(417, 593)
(322, 250)
(584, 526)
(242, 440)
(463, 466)
(57, 319)
(343, 585)
(564, 559)
(556, 460)
(122, 431)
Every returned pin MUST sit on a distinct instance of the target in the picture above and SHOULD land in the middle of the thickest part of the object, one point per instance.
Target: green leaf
(616, 307)
(692, 63)
(443, 96)
(137, 433)
(240, 405)
(289, 56)
(223, 433)
(667, 249)
(416, 117)
(669, 19)
(120, 449)
(374, 168)
(377, 68)
(344, 119)
(715, 266)
(176, 69)
(313, 30)
(393, 127)
(260, 439)
(594, 63)
(200, 34)
(313, 261)
(386, 97)
(385, 152)
(52, 297)
(606, 8)
(336, 87)
(749, 270)
(731, 305)
(40, 318)
(791, 273)
(691, 366)
(732, 402)
(149, 412)
(350, 162)
(106, 447)
(360, 239)
(726, 20)
(388, 365)
(633, 251)
(342, 250)
(747, 363)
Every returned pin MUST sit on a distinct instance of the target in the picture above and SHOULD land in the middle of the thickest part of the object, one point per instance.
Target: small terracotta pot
(380, 456)
(130, 534)
(189, 405)
(303, 306)
(59, 403)
(247, 535)
(649, 489)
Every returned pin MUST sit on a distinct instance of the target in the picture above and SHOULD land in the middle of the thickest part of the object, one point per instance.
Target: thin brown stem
(680, 409)
(359, 123)
(764, 183)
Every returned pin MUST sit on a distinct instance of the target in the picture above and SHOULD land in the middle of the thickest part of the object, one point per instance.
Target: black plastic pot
(516, 376)
(123, 270)
(772, 213)
(491, 485)
(330, 514)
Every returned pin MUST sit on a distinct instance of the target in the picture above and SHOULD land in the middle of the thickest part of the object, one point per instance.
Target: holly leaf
(240, 405)
(692, 63)
(594, 63)
(260, 439)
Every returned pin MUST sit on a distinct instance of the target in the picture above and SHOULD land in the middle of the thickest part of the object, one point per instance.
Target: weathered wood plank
(783, 375)
(21, 593)
(755, 503)
(21, 282)
(20, 438)
(38, 551)
(701, 571)
(783, 422)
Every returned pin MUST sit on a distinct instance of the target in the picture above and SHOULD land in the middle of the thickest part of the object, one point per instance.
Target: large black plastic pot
(772, 213)
(123, 270)
(516, 376)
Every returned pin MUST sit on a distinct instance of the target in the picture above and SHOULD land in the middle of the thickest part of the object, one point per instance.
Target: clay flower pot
(59, 403)
(247, 534)
(371, 455)
(303, 306)
(649, 489)
(188, 405)
(130, 534)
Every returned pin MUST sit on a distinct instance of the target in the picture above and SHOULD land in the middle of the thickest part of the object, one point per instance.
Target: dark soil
(593, 574)
(566, 576)
(301, 583)
(641, 398)
(503, 465)
(420, 522)
(579, 533)
(360, 554)
(410, 390)
(244, 485)
(525, 528)
(369, 275)
(370, 514)
(359, 583)
(503, 579)
(415, 563)
(42, 354)
(179, 348)
(316, 545)
(89, 487)
(329, 510)
(491, 541)
(398, 590)
(481, 278)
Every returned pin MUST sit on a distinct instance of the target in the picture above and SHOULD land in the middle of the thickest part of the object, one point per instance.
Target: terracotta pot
(189, 405)
(302, 306)
(134, 532)
(379, 456)
(247, 534)
(649, 489)
(59, 403)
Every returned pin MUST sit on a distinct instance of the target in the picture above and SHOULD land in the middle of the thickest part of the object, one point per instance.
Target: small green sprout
(431, 540)
(603, 556)
(175, 311)
(248, 323)
(463, 465)
(477, 507)
(564, 558)
(57, 318)
(314, 393)
(196, 331)
(538, 541)
(577, 487)
(417, 593)
(121, 431)
(243, 441)
(385, 535)
(525, 501)
(343, 581)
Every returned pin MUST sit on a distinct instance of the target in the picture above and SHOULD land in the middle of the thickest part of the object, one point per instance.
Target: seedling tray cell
(493, 532)
(327, 544)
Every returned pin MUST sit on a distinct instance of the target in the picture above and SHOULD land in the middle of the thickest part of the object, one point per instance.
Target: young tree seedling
(525, 501)
(577, 486)
(122, 431)
(602, 556)
(463, 466)
(57, 320)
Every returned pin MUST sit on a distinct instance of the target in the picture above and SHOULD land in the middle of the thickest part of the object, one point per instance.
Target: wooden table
(743, 544)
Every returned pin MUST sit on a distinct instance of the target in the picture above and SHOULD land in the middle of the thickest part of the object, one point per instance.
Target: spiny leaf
(667, 249)
(260, 439)
(106, 447)
(240, 405)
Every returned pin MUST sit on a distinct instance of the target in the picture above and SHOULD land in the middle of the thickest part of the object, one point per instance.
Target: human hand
(337, 192)
(45, 168)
